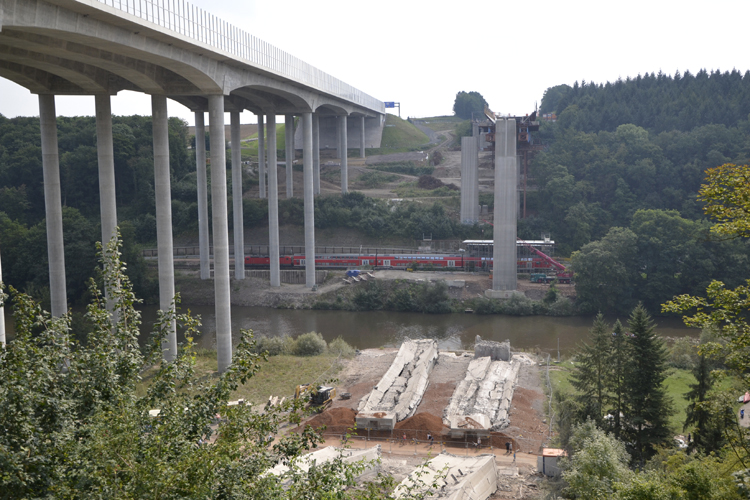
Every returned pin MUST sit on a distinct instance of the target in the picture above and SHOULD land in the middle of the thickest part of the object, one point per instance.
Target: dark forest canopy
(654, 101)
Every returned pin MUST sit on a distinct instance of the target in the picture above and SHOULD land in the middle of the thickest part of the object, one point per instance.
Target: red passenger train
(396, 261)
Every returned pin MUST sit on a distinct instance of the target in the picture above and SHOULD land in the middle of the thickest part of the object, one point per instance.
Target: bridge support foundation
(273, 204)
(53, 205)
(239, 232)
(342, 155)
(504, 273)
(289, 154)
(220, 232)
(163, 197)
(307, 168)
(261, 158)
(316, 153)
(202, 178)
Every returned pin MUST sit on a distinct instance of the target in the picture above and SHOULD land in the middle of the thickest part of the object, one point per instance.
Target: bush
(340, 347)
(683, 354)
(561, 307)
(310, 344)
(273, 345)
(518, 305)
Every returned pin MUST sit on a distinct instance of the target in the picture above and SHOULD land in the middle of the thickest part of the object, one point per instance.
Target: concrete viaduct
(171, 49)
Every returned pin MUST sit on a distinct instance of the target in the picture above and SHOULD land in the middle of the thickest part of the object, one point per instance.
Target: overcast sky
(421, 53)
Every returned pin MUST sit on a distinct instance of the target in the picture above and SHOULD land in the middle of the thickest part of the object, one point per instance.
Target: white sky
(421, 53)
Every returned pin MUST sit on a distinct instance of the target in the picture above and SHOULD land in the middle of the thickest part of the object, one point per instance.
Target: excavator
(322, 396)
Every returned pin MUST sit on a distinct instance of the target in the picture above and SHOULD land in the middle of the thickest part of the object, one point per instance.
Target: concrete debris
(370, 457)
(399, 392)
(498, 351)
(481, 401)
(456, 477)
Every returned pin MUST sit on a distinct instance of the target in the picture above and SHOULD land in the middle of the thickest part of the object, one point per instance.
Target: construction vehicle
(562, 275)
(321, 397)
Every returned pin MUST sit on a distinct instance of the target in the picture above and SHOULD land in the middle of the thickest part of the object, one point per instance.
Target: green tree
(468, 103)
(727, 197)
(707, 436)
(591, 371)
(598, 465)
(605, 272)
(617, 383)
(647, 405)
(76, 425)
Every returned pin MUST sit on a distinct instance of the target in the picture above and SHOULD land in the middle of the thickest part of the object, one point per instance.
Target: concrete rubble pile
(457, 478)
(400, 390)
(369, 456)
(481, 401)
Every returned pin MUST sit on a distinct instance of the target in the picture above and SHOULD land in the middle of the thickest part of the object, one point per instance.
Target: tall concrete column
(202, 178)
(239, 230)
(106, 157)
(343, 148)
(469, 180)
(53, 205)
(220, 231)
(316, 153)
(307, 169)
(106, 161)
(362, 137)
(163, 196)
(261, 158)
(289, 143)
(273, 204)
(2, 312)
(504, 276)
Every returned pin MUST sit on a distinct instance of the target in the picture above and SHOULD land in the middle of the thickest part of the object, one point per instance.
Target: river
(375, 329)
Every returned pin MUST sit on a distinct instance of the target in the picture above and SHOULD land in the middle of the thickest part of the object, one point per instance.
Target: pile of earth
(334, 418)
(417, 426)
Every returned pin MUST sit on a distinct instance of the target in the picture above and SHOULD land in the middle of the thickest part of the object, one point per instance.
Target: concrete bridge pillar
(261, 158)
(53, 205)
(362, 137)
(200, 167)
(504, 277)
(289, 143)
(307, 168)
(469, 180)
(163, 196)
(273, 204)
(106, 161)
(106, 157)
(316, 153)
(342, 155)
(239, 232)
(220, 231)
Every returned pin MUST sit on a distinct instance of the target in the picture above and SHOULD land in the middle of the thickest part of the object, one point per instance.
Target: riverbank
(389, 290)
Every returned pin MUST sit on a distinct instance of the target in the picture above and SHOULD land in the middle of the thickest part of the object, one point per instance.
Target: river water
(375, 329)
(453, 331)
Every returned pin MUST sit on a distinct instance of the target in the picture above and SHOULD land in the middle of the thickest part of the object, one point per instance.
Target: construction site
(479, 415)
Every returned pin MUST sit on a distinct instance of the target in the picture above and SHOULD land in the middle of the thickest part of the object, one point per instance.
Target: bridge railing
(195, 23)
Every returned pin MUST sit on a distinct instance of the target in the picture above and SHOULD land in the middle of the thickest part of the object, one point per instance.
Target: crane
(562, 275)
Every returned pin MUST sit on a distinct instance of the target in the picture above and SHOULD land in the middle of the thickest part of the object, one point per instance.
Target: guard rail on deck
(197, 24)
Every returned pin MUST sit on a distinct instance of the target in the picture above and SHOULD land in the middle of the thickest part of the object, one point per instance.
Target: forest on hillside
(622, 190)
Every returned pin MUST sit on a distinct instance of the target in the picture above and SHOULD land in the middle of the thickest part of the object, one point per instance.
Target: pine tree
(592, 370)
(619, 359)
(707, 435)
(647, 405)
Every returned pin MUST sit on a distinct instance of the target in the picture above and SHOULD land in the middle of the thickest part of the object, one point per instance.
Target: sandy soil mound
(421, 422)
(335, 417)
